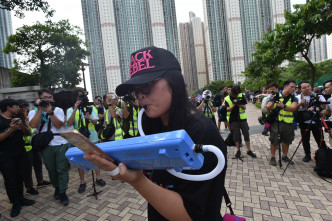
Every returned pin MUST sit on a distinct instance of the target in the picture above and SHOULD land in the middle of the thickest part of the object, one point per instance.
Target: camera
(128, 99)
(275, 97)
(84, 99)
(240, 101)
(43, 103)
(207, 94)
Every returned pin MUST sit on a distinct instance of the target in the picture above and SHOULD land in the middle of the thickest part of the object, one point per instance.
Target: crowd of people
(283, 109)
(157, 85)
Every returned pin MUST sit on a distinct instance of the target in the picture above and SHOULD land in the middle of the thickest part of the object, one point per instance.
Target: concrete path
(257, 190)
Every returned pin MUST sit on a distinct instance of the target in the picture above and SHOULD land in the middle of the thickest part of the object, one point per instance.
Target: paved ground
(257, 190)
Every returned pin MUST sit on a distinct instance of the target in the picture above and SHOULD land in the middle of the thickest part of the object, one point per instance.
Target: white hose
(206, 148)
(140, 129)
(220, 166)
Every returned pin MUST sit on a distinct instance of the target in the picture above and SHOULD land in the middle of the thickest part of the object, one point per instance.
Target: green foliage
(19, 79)
(310, 20)
(19, 6)
(51, 51)
(214, 86)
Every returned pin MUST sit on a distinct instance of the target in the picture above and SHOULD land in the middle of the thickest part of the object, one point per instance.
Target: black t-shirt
(202, 199)
(235, 114)
(13, 144)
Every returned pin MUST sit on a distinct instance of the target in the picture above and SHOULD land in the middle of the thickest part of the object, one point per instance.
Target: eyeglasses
(47, 98)
(145, 88)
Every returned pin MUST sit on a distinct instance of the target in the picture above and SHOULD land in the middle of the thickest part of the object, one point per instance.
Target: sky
(72, 10)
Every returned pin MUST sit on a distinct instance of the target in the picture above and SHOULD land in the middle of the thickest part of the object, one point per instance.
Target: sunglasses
(145, 88)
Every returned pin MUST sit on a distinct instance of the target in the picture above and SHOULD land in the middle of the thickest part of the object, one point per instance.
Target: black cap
(146, 65)
(22, 102)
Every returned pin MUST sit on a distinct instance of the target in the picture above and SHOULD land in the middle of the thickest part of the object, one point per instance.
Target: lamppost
(83, 69)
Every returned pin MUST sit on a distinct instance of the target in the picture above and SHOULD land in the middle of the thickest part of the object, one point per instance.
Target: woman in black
(159, 86)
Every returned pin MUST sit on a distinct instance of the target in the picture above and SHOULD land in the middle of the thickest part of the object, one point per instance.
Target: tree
(51, 52)
(18, 6)
(309, 21)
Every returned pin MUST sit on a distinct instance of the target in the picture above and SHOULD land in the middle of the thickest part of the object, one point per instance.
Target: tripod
(317, 118)
(95, 193)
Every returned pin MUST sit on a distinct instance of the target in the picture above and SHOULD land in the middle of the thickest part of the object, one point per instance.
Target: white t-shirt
(329, 107)
(307, 98)
(57, 140)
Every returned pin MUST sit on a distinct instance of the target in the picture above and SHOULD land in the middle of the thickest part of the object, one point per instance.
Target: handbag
(42, 140)
(231, 216)
(108, 131)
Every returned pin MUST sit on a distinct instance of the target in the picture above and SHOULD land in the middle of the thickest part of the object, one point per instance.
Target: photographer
(84, 118)
(98, 104)
(222, 112)
(237, 118)
(12, 154)
(327, 112)
(305, 112)
(113, 117)
(130, 116)
(284, 105)
(43, 117)
(206, 106)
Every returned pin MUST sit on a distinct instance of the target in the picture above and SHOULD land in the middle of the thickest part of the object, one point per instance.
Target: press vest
(242, 112)
(119, 133)
(27, 141)
(77, 119)
(133, 125)
(286, 116)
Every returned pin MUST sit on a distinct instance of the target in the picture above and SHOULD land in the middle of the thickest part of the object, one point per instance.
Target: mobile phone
(83, 143)
(17, 120)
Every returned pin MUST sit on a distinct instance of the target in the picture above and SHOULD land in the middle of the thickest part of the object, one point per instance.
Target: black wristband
(51, 113)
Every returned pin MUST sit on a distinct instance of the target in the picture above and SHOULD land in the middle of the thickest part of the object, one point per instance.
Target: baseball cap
(22, 102)
(146, 65)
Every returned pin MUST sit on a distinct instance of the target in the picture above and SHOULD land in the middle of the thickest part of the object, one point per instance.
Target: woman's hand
(128, 175)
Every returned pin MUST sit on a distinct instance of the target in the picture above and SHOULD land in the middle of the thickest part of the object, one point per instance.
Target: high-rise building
(318, 49)
(329, 46)
(122, 28)
(216, 39)
(200, 49)
(6, 29)
(188, 57)
(232, 27)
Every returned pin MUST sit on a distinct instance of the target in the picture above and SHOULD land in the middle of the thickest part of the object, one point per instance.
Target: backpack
(323, 158)
(217, 100)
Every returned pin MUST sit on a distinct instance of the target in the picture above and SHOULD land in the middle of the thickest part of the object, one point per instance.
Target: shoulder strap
(41, 126)
(228, 201)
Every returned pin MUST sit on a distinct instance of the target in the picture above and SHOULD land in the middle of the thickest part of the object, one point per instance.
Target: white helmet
(207, 95)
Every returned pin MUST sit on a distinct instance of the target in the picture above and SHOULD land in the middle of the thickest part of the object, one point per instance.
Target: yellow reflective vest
(133, 125)
(285, 116)
(27, 140)
(77, 119)
(242, 113)
(119, 133)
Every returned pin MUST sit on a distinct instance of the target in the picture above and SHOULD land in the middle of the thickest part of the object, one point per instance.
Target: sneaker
(307, 158)
(32, 191)
(250, 153)
(265, 133)
(100, 182)
(238, 153)
(81, 188)
(56, 193)
(273, 161)
(64, 199)
(16, 209)
(286, 159)
(43, 184)
(26, 202)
